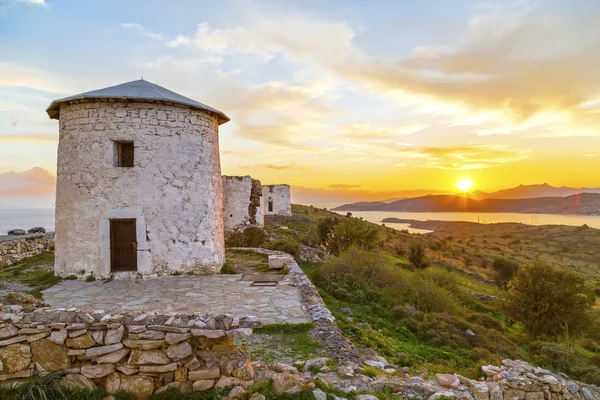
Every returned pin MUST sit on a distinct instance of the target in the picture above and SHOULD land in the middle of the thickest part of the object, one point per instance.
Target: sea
(22, 218)
(29, 218)
(483, 218)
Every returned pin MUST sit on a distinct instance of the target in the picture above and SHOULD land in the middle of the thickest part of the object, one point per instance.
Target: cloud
(34, 182)
(343, 186)
(467, 156)
(142, 30)
(273, 166)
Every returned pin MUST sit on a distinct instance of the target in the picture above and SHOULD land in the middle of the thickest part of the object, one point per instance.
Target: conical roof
(135, 90)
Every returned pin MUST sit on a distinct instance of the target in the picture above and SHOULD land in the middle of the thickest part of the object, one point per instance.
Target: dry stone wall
(14, 250)
(142, 353)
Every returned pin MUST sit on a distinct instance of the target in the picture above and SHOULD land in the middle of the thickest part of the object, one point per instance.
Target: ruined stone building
(277, 200)
(139, 187)
(242, 203)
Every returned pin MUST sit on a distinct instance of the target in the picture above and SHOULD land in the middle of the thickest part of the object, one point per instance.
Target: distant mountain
(585, 203)
(531, 191)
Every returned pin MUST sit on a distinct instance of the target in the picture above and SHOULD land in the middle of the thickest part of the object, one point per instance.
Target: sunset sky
(376, 96)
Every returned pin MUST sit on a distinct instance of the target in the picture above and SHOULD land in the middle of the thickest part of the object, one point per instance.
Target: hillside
(585, 203)
(532, 191)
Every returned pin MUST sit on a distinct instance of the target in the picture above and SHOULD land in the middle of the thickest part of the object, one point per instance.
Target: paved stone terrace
(227, 294)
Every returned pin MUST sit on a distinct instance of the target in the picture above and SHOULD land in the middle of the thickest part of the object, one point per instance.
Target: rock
(74, 334)
(480, 391)
(315, 363)
(158, 369)
(101, 350)
(8, 332)
(39, 336)
(169, 386)
(114, 335)
(143, 357)
(236, 391)
(81, 342)
(59, 337)
(448, 380)
(174, 338)
(144, 344)
(325, 370)
(179, 351)
(319, 394)
(345, 371)
(228, 381)
(97, 371)
(283, 367)
(347, 311)
(286, 383)
(572, 386)
(15, 358)
(211, 334)
(76, 352)
(257, 396)
(239, 332)
(443, 395)
(128, 369)
(245, 373)
(113, 382)
(181, 374)
(204, 374)
(203, 385)
(141, 386)
(491, 370)
(375, 364)
(16, 375)
(114, 357)
(13, 340)
(77, 381)
(193, 364)
(469, 332)
(495, 391)
(49, 355)
(366, 397)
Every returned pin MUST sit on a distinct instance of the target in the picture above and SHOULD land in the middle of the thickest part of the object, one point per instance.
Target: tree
(325, 227)
(505, 271)
(351, 232)
(416, 255)
(549, 301)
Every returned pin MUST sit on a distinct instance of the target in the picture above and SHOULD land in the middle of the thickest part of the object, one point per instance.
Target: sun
(464, 184)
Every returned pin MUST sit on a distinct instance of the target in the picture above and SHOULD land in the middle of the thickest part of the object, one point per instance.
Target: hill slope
(585, 203)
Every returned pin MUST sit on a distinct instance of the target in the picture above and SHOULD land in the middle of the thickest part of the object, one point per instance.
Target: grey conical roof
(135, 90)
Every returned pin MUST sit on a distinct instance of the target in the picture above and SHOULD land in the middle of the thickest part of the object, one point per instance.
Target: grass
(35, 272)
(282, 342)
(245, 261)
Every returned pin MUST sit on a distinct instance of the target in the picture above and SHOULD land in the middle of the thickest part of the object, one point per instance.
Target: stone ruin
(242, 203)
(277, 199)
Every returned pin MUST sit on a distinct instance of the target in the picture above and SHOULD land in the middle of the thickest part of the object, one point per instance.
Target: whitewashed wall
(281, 198)
(174, 189)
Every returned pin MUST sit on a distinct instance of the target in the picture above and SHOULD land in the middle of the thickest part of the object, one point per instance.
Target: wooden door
(123, 245)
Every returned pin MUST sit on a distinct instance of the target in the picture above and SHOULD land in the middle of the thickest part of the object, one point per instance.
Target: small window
(270, 189)
(270, 206)
(124, 154)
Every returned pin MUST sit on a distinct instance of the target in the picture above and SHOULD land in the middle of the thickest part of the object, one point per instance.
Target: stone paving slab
(227, 294)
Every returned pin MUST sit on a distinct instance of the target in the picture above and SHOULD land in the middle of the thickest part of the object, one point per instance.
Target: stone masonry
(242, 203)
(173, 191)
(14, 250)
(141, 353)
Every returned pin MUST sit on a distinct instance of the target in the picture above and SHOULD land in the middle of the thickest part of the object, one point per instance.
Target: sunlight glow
(464, 184)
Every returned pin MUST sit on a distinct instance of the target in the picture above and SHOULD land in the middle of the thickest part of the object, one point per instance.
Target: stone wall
(241, 206)
(173, 191)
(279, 197)
(14, 250)
(141, 353)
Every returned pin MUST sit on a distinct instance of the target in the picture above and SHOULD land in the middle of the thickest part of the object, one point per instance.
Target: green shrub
(324, 228)
(252, 236)
(416, 255)
(228, 269)
(287, 244)
(90, 278)
(559, 356)
(549, 301)
(352, 232)
(505, 270)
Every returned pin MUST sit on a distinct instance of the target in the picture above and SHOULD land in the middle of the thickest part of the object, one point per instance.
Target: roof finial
(142, 78)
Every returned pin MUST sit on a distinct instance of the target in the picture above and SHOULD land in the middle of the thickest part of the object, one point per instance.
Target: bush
(416, 255)
(505, 271)
(549, 301)
(252, 236)
(287, 244)
(559, 356)
(351, 232)
(324, 228)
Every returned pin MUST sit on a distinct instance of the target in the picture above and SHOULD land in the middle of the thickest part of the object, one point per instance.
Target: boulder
(140, 386)
(286, 383)
(113, 336)
(49, 355)
(204, 374)
(203, 385)
(113, 382)
(228, 381)
(319, 394)
(245, 373)
(77, 381)
(315, 363)
(448, 380)
(15, 358)
(8, 332)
